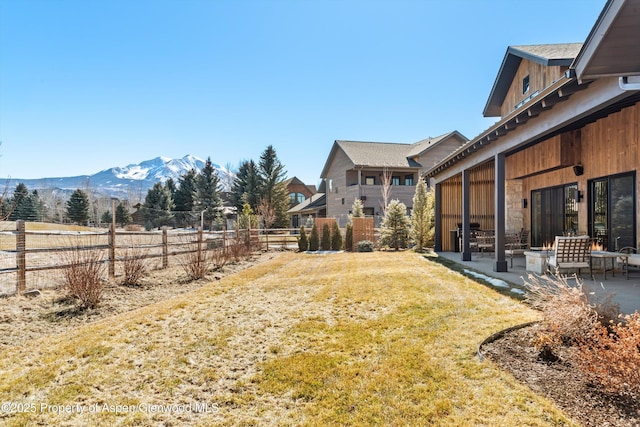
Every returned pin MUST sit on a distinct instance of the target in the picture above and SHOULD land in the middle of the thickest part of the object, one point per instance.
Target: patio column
(500, 261)
(466, 229)
(437, 244)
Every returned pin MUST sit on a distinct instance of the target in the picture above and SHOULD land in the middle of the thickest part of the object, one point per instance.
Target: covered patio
(626, 292)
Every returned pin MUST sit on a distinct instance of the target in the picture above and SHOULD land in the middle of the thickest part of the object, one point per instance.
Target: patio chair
(633, 259)
(516, 244)
(571, 253)
(485, 241)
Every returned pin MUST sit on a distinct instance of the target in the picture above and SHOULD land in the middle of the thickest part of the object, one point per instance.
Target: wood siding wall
(560, 151)
(608, 146)
(540, 77)
(482, 197)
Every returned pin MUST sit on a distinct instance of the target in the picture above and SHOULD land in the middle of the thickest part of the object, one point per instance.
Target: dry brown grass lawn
(341, 339)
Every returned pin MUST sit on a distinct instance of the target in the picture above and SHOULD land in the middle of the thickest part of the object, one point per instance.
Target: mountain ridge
(123, 181)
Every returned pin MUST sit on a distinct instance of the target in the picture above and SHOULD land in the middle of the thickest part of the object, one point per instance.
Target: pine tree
(123, 217)
(247, 219)
(24, 206)
(421, 216)
(157, 206)
(208, 202)
(78, 207)
(395, 226)
(272, 185)
(246, 186)
(336, 238)
(303, 242)
(184, 198)
(314, 239)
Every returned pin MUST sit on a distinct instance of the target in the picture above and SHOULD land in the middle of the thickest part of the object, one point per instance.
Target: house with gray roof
(357, 170)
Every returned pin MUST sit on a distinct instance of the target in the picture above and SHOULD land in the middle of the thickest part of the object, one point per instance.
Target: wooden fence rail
(36, 251)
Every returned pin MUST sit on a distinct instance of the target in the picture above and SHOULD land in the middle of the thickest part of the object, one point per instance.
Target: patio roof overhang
(533, 122)
(612, 48)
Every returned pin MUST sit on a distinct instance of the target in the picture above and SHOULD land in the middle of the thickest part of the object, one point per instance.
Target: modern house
(564, 156)
(362, 170)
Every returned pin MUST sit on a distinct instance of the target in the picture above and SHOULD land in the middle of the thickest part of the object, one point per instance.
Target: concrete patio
(626, 292)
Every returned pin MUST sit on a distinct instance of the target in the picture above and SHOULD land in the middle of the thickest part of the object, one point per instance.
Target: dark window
(370, 180)
(395, 180)
(296, 198)
(368, 211)
(612, 202)
(408, 180)
(525, 85)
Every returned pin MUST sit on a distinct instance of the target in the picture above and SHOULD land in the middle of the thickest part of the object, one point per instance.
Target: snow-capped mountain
(128, 182)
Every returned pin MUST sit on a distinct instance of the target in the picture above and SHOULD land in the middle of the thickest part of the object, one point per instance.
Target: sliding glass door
(612, 212)
(554, 212)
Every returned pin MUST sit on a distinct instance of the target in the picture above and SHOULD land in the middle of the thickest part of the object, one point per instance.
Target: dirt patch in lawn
(24, 319)
(561, 381)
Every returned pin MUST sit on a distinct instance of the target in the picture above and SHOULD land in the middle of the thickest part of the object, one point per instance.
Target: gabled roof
(386, 154)
(421, 146)
(545, 54)
(315, 202)
(372, 154)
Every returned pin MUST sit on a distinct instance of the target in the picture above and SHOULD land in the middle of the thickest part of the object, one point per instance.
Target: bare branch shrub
(568, 312)
(197, 262)
(83, 272)
(134, 265)
(610, 355)
(220, 257)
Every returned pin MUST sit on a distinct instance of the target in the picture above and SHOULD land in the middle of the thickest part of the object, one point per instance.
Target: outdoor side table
(604, 256)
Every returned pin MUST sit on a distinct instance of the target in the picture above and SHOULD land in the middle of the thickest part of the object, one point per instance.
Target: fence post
(165, 247)
(200, 239)
(112, 250)
(21, 259)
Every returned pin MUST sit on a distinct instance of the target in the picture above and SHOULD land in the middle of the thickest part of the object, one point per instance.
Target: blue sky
(85, 86)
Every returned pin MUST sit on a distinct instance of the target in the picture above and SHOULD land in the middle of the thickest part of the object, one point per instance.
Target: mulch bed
(561, 381)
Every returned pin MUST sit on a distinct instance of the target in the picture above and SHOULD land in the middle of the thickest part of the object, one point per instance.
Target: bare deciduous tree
(386, 188)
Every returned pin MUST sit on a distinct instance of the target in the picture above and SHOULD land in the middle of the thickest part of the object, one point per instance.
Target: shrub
(82, 274)
(568, 312)
(348, 237)
(134, 265)
(303, 242)
(365, 246)
(314, 239)
(610, 355)
(336, 238)
(325, 243)
(197, 262)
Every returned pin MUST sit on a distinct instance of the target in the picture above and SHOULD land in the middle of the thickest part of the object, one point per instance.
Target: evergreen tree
(123, 217)
(207, 202)
(106, 217)
(421, 217)
(314, 239)
(247, 219)
(184, 199)
(246, 186)
(357, 209)
(303, 242)
(348, 238)
(272, 185)
(24, 206)
(78, 207)
(395, 226)
(157, 206)
(336, 238)
(325, 243)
